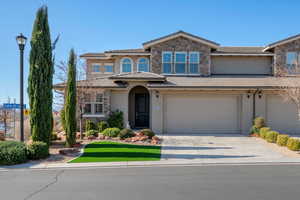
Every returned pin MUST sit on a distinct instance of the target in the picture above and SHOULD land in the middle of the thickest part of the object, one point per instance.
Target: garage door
(282, 116)
(201, 113)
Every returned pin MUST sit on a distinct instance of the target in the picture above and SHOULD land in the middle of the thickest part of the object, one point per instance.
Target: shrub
(259, 122)
(37, 150)
(254, 130)
(282, 139)
(89, 125)
(111, 132)
(126, 133)
(116, 119)
(271, 136)
(148, 132)
(102, 126)
(63, 118)
(293, 144)
(91, 133)
(12, 153)
(54, 136)
(263, 131)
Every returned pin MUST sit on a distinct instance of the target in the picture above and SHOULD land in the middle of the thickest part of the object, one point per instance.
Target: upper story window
(167, 61)
(143, 65)
(183, 62)
(194, 60)
(126, 65)
(103, 68)
(108, 68)
(292, 61)
(180, 62)
(96, 67)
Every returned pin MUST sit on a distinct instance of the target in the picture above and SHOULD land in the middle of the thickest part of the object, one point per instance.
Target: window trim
(138, 62)
(110, 64)
(186, 59)
(93, 64)
(93, 102)
(102, 65)
(162, 61)
(289, 67)
(189, 62)
(121, 64)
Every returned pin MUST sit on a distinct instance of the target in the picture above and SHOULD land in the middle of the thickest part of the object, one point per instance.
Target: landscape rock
(68, 151)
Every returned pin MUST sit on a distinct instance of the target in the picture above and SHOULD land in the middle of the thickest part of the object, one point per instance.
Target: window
(167, 61)
(291, 61)
(99, 104)
(194, 60)
(180, 62)
(96, 68)
(108, 68)
(126, 65)
(143, 65)
(93, 108)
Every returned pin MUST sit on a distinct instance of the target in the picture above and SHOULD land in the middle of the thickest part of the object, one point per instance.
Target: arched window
(143, 65)
(126, 65)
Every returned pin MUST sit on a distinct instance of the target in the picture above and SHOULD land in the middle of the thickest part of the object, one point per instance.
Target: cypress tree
(70, 101)
(40, 78)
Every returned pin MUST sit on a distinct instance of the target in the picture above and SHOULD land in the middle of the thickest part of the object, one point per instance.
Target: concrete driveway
(220, 148)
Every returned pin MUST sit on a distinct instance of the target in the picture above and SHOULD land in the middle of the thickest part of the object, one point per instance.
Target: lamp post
(21, 41)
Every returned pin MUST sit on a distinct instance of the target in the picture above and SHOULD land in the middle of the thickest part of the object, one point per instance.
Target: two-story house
(182, 83)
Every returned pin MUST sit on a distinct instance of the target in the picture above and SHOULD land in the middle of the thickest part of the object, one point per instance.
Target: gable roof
(280, 42)
(182, 34)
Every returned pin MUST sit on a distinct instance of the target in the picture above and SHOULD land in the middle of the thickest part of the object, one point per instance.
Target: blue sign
(13, 106)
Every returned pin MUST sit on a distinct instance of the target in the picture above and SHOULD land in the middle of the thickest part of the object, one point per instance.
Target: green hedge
(91, 133)
(102, 125)
(263, 131)
(271, 136)
(126, 133)
(282, 139)
(37, 150)
(89, 125)
(111, 132)
(12, 152)
(115, 119)
(293, 144)
(148, 132)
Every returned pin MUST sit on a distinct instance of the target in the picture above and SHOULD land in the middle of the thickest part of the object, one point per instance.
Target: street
(148, 183)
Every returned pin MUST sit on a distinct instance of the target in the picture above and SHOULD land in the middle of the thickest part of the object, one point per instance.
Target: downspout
(254, 104)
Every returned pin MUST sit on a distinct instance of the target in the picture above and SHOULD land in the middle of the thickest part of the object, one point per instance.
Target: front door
(142, 110)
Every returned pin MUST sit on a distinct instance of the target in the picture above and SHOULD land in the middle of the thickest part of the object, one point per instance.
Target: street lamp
(21, 41)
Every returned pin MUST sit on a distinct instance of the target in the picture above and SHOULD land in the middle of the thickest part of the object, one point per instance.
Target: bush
(111, 132)
(263, 131)
(148, 132)
(126, 133)
(89, 125)
(102, 126)
(116, 119)
(271, 136)
(259, 122)
(63, 118)
(12, 153)
(282, 139)
(54, 136)
(293, 144)
(254, 130)
(37, 150)
(91, 133)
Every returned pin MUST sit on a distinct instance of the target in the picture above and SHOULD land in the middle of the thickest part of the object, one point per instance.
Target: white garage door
(201, 114)
(282, 116)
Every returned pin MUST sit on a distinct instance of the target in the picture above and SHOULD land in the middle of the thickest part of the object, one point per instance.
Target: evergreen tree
(40, 78)
(70, 101)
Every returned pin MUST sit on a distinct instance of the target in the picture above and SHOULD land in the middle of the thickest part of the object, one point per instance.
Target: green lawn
(107, 151)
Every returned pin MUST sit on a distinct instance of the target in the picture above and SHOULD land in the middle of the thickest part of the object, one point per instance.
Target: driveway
(220, 148)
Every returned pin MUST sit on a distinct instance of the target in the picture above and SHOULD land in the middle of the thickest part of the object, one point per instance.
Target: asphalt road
(149, 183)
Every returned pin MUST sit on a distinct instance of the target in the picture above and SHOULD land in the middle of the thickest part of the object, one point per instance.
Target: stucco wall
(119, 101)
(241, 64)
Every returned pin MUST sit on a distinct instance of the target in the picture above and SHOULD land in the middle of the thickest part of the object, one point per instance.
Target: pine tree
(40, 78)
(70, 101)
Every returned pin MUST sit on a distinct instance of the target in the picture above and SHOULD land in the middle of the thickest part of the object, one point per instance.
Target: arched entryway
(139, 107)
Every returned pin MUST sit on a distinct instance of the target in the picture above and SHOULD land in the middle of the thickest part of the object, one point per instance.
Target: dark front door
(142, 110)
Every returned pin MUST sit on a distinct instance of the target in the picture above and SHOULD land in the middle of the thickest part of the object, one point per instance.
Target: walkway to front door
(219, 148)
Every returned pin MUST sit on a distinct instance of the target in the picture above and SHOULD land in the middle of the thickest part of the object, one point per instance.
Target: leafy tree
(40, 78)
(70, 101)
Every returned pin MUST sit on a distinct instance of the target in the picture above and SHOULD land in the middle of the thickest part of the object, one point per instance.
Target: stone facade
(180, 44)
(280, 55)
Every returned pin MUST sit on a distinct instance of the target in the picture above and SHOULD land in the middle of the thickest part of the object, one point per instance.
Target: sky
(99, 25)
